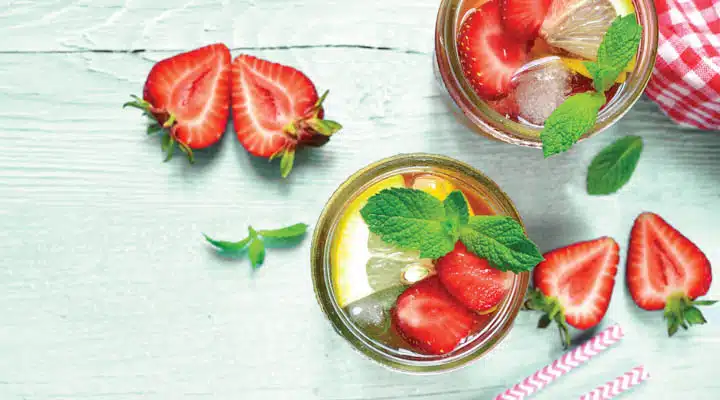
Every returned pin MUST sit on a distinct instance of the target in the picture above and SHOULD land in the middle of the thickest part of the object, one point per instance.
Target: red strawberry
(523, 18)
(188, 94)
(472, 281)
(429, 318)
(665, 270)
(276, 109)
(574, 284)
(488, 55)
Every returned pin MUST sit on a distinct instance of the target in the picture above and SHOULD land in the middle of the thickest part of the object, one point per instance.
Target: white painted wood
(107, 290)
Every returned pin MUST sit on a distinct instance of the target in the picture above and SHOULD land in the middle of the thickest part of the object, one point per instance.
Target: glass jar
(486, 121)
(477, 344)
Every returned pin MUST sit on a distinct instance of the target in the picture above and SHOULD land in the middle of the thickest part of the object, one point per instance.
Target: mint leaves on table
(612, 168)
(256, 242)
(415, 220)
(578, 114)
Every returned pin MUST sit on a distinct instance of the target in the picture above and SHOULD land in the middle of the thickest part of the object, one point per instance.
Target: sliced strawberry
(472, 281)
(188, 94)
(523, 18)
(276, 109)
(488, 55)
(665, 270)
(574, 284)
(430, 319)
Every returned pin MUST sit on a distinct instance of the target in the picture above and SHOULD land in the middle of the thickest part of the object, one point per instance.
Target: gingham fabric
(686, 80)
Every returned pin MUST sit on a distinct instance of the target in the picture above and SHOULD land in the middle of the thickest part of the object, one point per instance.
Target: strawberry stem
(681, 311)
(553, 311)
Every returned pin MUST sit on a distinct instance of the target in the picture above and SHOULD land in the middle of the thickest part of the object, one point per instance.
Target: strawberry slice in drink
(432, 320)
(489, 56)
(523, 18)
(472, 281)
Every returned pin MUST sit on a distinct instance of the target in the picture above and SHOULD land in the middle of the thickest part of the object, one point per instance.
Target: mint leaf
(501, 240)
(228, 247)
(612, 168)
(288, 232)
(456, 208)
(258, 241)
(256, 252)
(620, 43)
(618, 48)
(410, 219)
(572, 119)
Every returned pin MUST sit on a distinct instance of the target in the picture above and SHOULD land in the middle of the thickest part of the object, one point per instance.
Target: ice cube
(372, 313)
(540, 89)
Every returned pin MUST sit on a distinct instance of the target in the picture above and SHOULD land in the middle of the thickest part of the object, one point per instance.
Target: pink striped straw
(622, 383)
(563, 365)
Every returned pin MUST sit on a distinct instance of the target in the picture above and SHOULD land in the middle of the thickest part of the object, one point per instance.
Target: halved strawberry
(488, 55)
(665, 270)
(429, 318)
(276, 109)
(188, 94)
(574, 284)
(523, 18)
(472, 281)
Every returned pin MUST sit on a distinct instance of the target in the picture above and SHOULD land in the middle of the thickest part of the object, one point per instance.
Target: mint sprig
(415, 220)
(257, 241)
(578, 114)
(612, 168)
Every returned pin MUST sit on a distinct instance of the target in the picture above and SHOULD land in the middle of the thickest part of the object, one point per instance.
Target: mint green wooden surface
(107, 290)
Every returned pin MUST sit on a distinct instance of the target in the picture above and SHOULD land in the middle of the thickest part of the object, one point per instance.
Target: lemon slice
(436, 186)
(577, 65)
(349, 251)
(578, 26)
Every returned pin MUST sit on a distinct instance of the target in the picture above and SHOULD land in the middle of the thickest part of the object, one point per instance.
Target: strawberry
(574, 284)
(488, 55)
(472, 281)
(188, 95)
(429, 318)
(665, 270)
(523, 18)
(276, 109)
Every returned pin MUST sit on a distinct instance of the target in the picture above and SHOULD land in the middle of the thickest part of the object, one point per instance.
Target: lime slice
(390, 266)
(349, 251)
(578, 26)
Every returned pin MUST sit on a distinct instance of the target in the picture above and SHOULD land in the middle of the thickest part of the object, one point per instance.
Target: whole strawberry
(276, 110)
(665, 270)
(188, 96)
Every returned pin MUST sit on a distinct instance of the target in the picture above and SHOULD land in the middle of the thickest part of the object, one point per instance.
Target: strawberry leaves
(168, 141)
(552, 312)
(415, 220)
(257, 241)
(680, 311)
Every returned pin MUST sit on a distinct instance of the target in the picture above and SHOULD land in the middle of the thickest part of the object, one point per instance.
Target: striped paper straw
(622, 383)
(563, 365)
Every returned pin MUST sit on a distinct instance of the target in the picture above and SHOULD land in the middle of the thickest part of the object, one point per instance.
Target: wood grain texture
(108, 292)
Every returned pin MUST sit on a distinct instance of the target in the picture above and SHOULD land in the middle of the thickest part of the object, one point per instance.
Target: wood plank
(118, 25)
(108, 291)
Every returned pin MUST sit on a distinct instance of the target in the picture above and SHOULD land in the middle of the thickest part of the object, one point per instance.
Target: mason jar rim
(496, 330)
(498, 126)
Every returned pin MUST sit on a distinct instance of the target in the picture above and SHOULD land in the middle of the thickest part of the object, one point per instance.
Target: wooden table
(107, 290)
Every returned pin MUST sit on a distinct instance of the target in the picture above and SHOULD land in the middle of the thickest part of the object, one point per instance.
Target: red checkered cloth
(686, 80)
